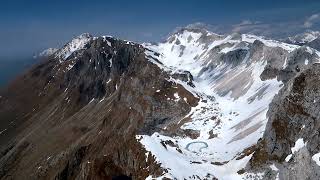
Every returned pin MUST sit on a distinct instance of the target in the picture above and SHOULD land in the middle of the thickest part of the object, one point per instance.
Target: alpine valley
(196, 106)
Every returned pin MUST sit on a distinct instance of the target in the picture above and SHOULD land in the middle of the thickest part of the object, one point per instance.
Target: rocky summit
(198, 105)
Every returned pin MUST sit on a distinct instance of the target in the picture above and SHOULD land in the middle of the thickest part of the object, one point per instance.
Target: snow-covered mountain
(197, 106)
(308, 38)
(305, 37)
(235, 78)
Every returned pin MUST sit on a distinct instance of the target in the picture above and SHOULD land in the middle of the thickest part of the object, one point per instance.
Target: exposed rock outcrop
(293, 114)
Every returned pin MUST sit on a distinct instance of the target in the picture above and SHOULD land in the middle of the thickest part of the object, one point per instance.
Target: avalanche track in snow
(231, 113)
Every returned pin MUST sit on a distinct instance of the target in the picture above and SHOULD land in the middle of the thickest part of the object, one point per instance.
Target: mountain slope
(197, 106)
(77, 118)
(242, 73)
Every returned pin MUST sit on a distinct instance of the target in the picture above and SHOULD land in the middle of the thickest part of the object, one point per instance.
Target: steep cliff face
(196, 106)
(291, 138)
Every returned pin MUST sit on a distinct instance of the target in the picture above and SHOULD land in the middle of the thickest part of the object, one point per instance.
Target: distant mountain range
(308, 38)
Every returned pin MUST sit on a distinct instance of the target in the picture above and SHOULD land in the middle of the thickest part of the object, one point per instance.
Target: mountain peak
(195, 28)
(75, 44)
(84, 35)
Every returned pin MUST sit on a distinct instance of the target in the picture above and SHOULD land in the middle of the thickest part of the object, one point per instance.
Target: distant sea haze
(10, 68)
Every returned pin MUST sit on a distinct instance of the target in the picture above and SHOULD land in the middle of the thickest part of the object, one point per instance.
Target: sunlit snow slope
(231, 113)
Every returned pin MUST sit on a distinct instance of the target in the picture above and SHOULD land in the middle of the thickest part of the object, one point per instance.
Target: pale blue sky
(27, 27)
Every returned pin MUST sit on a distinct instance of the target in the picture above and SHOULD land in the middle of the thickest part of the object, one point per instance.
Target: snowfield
(237, 117)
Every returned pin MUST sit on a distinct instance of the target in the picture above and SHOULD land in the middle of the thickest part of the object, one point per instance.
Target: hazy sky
(30, 26)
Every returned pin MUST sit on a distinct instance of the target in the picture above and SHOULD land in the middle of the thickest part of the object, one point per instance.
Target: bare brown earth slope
(80, 123)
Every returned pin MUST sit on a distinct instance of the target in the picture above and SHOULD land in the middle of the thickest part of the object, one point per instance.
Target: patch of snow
(298, 145)
(91, 100)
(274, 168)
(109, 43)
(176, 95)
(74, 45)
(309, 50)
(271, 43)
(288, 158)
(316, 158)
(110, 61)
(102, 99)
(47, 52)
(105, 39)
(285, 63)
(70, 66)
(3, 131)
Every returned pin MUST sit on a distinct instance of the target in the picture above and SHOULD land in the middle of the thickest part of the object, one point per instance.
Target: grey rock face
(299, 60)
(234, 57)
(300, 167)
(293, 114)
(314, 44)
(185, 76)
(97, 65)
